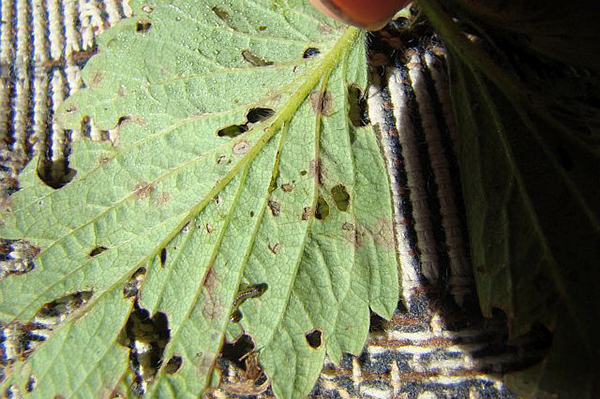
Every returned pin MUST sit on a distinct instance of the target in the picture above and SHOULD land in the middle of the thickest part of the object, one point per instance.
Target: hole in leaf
(143, 26)
(254, 59)
(31, 383)
(564, 158)
(66, 304)
(232, 131)
(250, 380)
(262, 28)
(130, 290)
(19, 254)
(303, 173)
(322, 210)
(377, 324)
(97, 251)
(174, 364)
(251, 214)
(358, 112)
(259, 114)
(11, 392)
(220, 13)
(132, 287)
(163, 257)
(53, 313)
(24, 339)
(47, 172)
(341, 197)
(236, 351)
(146, 338)
(314, 338)
(311, 52)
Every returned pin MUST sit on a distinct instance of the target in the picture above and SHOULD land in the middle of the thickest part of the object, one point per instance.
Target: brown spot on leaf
(206, 364)
(96, 78)
(348, 226)
(275, 207)
(143, 190)
(148, 8)
(209, 228)
(211, 305)
(210, 280)
(326, 29)
(241, 147)
(321, 102)
(383, 234)
(103, 161)
(220, 13)
(138, 119)
(288, 187)
(306, 212)
(274, 248)
(356, 235)
(162, 198)
(71, 108)
(255, 59)
(316, 170)
(32, 251)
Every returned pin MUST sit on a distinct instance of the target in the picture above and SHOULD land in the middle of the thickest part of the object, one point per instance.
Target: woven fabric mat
(437, 345)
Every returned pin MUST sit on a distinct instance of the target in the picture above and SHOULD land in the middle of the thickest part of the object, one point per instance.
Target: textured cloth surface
(437, 345)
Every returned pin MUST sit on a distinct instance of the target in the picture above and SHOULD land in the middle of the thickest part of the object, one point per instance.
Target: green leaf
(236, 164)
(529, 163)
